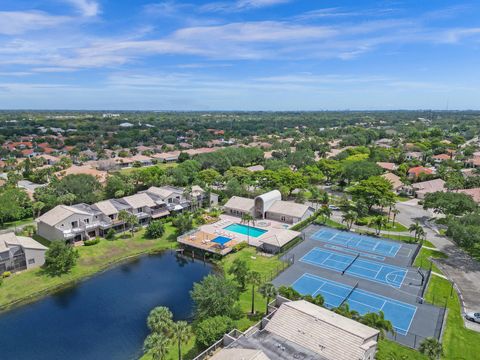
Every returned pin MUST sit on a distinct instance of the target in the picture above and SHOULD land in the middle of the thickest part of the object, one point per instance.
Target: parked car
(473, 316)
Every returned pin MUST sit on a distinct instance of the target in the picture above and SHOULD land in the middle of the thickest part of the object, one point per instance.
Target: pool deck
(202, 237)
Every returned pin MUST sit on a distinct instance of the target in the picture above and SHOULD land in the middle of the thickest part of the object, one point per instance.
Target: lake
(103, 317)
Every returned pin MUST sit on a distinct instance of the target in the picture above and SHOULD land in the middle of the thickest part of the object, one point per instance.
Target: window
(31, 261)
(87, 221)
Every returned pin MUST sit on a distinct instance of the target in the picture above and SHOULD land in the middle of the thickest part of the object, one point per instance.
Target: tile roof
(322, 331)
(240, 203)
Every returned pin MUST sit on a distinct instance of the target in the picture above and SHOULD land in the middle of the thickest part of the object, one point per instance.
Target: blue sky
(239, 54)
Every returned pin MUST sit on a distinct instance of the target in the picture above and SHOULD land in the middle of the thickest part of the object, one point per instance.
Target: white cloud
(18, 22)
(240, 5)
(87, 8)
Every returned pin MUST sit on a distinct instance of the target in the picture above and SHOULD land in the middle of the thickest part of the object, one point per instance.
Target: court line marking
(394, 248)
(322, 263)
(361, 292)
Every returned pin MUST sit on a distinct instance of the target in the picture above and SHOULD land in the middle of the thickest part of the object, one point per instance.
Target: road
(459, 267)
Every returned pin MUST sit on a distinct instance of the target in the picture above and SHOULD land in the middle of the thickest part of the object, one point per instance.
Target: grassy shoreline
(32, 285)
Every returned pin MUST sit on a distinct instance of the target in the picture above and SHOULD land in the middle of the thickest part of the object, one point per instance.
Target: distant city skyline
(278, 55)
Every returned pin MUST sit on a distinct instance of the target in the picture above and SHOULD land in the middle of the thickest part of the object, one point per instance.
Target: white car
(473, 316)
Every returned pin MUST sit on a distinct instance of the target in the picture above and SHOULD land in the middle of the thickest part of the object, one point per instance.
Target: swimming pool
(245, 230)
(222, 240)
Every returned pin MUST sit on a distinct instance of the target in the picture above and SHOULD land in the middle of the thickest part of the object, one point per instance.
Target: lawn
(390, 350)
(29, 285)
(14, 224)
(422, 259)
(459, 343)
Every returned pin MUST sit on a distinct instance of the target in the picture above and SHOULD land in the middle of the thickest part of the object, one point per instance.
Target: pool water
(245, 230)
(222, 240)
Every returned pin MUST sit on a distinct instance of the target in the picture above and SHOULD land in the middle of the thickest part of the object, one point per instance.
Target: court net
(348, 266)
(349, 294)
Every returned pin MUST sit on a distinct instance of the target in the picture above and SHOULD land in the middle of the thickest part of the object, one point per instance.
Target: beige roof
(288, 208)
(106, 207)
(58, 214)
(139, 200)
(240, 354)
(474, 193)
(9, 239)
(256, 168)
(394, 180)
(281, 238)
(240, 203)
(387, 165)
(160, 191)
(167, 155)
(75, 170)
(197, 190)
(322, 331)
(29, 243)
(430, 186)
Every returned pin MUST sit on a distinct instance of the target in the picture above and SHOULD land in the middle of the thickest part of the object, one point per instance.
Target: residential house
(88, 170)
(20, 253)
(387, 165)
(474, 193)
(175, 198)
(255, 168)
(72, 223)
(142, 206)
(417, 171)
(299, 329)
(167, 157)
(421, 189)
(414, 155)
(441, 157)
(394, 180)
(111, 209)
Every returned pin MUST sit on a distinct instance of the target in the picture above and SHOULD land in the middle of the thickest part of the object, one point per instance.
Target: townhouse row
(81, 222)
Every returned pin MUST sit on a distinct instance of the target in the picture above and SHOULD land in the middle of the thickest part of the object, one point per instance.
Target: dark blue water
(104, 317)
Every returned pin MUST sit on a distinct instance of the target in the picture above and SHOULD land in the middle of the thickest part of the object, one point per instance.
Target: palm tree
(417, 230)
(378, 321)
(432, 348)
(268, 291)
(325, 213)
(157, 346)
(182, 333)
(345, 310)
(254, 278)
(379, 222)
(160, 320)
(395, 212)
(349, 218)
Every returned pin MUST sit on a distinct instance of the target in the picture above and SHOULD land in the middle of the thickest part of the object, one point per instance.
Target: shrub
(91, 242)
(155, 230)
(110, 234)
(60, 258)
(7, 274)
(212, 329)
(240, 246)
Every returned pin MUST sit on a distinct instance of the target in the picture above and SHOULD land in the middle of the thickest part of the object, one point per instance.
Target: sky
(239, 55)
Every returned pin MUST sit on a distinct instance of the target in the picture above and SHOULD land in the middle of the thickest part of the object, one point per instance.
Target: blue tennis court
(351, 265)
(399, 313)
(359, 242)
